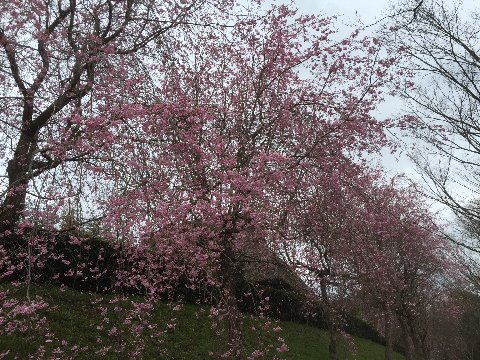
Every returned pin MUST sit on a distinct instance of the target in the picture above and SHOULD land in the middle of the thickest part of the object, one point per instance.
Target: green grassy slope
(82, 321)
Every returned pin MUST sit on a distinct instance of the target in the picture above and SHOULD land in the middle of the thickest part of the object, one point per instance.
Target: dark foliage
(89, 263)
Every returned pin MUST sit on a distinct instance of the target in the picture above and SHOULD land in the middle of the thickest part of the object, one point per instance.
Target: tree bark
(18, 171)
(332, 346)
(415, 349)
(388, 337)
(235, 336)
(230, 273)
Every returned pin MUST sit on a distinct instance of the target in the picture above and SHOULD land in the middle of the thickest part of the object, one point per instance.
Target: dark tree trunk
(332, 330)
(230, 272)
(409, 348)
(415, 347)
(19, 174)
(388, 337)
(235, 335)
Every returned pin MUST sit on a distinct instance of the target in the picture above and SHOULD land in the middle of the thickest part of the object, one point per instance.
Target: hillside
(81, 325)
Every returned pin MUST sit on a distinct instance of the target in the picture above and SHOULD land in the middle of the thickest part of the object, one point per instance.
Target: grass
(78, 325)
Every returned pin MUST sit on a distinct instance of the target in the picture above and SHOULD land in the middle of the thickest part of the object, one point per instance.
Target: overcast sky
(368, 10)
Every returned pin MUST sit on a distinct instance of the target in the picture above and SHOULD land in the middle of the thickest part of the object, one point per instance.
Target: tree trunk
(230, 273)
(409, 349)
(332, 346)
(234, 318)
(415, 350)
(388, 337)
(18, 170)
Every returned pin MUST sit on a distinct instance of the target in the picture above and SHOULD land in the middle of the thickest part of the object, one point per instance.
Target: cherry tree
(371, 243)
(245, 120)
(207, 148)
(62, 64)
(322, 240)
(406, 269)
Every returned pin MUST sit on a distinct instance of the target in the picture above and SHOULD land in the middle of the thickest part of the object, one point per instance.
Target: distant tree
(469, 325)
(374, 247)
(468, 232)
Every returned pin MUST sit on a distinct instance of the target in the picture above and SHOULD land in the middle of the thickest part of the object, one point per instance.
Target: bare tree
(441, 41)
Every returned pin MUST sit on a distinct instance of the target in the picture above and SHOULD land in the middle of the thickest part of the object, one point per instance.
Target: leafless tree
(441, 41)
